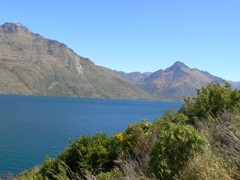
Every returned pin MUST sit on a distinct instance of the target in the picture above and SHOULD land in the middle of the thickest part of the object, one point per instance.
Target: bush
(212, 101)
(178, 118)
(176, 144)
(136, 138)
(113, 174)
(85, 155)
(94, 154)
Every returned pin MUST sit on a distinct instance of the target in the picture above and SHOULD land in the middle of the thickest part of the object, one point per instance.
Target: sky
(139, 35)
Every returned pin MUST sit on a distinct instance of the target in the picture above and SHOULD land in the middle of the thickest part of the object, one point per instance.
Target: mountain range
(33, 65)
(172, 83)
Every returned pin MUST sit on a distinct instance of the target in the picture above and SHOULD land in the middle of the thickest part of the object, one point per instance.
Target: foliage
(211, 101)
(178, 118)
(136, 137)
(85, 155)
(93, 154)
(113, 174)
(143, 127)
(176, 144)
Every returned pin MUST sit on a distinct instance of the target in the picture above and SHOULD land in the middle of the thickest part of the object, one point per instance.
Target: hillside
(31, 64)
(174, 82)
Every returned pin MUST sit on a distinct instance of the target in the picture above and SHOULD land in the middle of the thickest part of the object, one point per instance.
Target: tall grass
(206, 166)
(221, 158)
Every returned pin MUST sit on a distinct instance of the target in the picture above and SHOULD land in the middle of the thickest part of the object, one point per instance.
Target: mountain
(175, 82)
(31, 64)
(235, 84)
(133, 77)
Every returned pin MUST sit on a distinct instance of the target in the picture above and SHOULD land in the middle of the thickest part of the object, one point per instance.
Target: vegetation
(201, 141)
(175, 145)
(212, 101)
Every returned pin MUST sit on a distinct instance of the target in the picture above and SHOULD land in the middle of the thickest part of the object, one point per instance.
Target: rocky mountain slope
(31, 64)
(133, 77)
(174, 82)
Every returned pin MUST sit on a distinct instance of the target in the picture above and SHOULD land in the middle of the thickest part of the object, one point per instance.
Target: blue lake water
(33, 127)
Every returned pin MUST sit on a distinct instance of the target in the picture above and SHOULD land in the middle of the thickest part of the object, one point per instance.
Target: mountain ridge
(31, 64)
(176, 81)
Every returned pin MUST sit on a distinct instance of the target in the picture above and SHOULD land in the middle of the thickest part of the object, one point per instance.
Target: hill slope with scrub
(200, 141)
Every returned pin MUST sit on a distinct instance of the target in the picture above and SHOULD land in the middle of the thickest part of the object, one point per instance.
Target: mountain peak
(13, 28)
(177, 66)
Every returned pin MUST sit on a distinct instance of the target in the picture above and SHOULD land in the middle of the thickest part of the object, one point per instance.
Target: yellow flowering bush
(119, 136)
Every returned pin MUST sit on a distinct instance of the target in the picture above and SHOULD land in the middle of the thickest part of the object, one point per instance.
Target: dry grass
(130, 170)
(227, 134)
(221, 159)
(135, 169)
(207, 167)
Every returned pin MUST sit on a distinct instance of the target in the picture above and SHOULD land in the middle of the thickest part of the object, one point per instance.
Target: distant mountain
(175, 82)
(31, 64)
(133, 77)
(235, 84)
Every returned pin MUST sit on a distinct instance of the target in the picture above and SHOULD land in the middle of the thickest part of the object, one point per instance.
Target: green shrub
(144, 127)
(84, 155)
(178, 118)
(176, 143)
(134, 137)
(113, 174)
(95, 154)
(212, 101)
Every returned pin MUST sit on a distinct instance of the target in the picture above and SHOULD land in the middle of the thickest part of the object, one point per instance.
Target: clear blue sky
(139, 35)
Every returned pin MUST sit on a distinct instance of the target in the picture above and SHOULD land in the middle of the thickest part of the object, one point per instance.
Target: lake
(32, 127)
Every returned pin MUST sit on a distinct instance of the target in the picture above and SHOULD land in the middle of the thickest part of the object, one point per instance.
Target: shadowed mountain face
(175, 82)
(31, 64)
